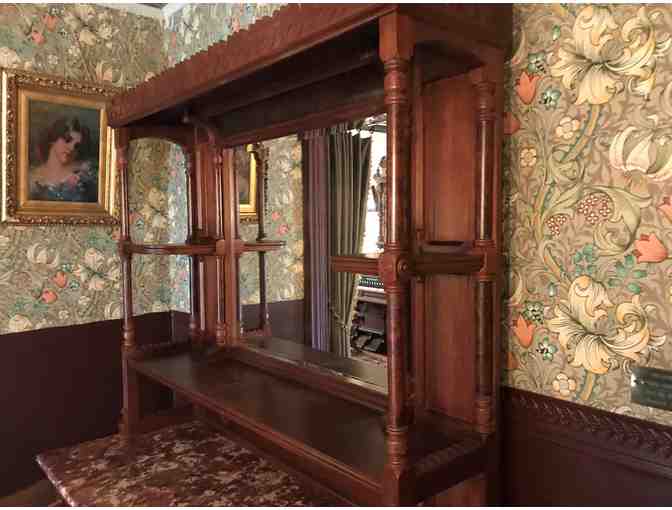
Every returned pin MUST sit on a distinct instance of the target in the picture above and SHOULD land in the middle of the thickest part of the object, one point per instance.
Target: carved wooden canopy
(230, 74)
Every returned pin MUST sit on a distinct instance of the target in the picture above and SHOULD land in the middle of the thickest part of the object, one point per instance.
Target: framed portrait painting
(57, 151)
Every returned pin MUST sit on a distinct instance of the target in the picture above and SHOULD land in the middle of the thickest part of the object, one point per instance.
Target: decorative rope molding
(443, 457)
(645, 440)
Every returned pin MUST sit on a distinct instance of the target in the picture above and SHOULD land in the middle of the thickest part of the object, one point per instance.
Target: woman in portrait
(65, 171)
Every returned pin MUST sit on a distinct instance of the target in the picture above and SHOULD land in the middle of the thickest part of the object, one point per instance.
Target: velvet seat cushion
(185, 465)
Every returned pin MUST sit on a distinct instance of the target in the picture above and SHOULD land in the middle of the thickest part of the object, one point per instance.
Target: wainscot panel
(62, 386)
(563, 454)
(287, 320)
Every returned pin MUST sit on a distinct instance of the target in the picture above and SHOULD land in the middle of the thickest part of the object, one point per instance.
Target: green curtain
(349, 164)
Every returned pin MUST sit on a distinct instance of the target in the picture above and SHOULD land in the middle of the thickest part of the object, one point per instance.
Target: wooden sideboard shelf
(420, 265)
(262, 246)
(212, 248)
(170, 249)
(436, 72)
(344, 442)
(366, 264)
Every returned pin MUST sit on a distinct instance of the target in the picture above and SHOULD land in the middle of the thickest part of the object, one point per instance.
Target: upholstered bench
(184, 465)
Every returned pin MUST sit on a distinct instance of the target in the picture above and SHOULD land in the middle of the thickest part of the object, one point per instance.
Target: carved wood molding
(291, 29)
(646, 441)
(436, 460)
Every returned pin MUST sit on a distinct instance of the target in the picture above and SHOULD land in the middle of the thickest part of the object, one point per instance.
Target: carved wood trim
(291, 29)
(615, 433)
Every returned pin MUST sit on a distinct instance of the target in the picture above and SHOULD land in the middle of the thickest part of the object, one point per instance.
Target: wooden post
(257, 152)
(122, 142)
(194, 323)
(131, 398)
(395, 52)
(230, 218)
(486, 279)
(221, 329)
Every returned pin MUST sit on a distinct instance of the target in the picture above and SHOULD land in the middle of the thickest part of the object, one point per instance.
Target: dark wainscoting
(61, 386)
(564, 454)
(287, 319)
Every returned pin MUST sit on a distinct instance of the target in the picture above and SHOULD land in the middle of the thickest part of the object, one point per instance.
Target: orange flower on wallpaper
(37, 37)
(648, 248)
(60, 279)
(524, 331)
(511, 123)
(526, 87)
(48, 296)
(50, 22)
(666, 208)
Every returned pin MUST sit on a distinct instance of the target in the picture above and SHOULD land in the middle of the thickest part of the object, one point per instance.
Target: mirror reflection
(317, 194)
(157, 203)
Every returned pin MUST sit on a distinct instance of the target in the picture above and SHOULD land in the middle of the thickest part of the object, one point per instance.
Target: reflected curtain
(315, 160)
(349, 163)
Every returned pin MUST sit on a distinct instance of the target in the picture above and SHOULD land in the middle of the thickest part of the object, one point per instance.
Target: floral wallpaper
(588, 168)
(192, 29)
(588, 210)
(63, 275)
(284, 221)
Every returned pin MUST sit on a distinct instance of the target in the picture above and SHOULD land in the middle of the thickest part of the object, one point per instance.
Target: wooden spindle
(256, 152)
(130, 414)
(393, 265)
(194, 329)
(484, 411)
(484, 357)
(128, 327)
(486, 120)
(229, 215)
(220, 325)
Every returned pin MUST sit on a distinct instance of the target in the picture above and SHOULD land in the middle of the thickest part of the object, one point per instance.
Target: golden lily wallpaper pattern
(588, 215)
(62, 275)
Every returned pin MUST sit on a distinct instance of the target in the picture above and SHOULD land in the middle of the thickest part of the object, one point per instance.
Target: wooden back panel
(450, 159)
(446, 367)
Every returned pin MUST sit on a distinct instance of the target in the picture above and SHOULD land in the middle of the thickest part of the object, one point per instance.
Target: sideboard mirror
(318, 196)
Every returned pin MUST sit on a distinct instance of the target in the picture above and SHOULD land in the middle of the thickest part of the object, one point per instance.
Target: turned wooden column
(221, 332)
(394, 269)
(258, 152)
(486, 279)
(128, 328)
(194, 323)
(130, 414)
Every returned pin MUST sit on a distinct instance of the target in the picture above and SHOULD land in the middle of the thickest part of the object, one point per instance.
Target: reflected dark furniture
(437, 73)
(367, 334)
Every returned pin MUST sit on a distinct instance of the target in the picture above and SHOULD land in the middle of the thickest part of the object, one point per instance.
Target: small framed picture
(58, 154)
(247, 160)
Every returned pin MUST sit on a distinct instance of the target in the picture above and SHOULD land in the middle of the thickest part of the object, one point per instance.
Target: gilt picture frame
(247, 163)
(58, 158)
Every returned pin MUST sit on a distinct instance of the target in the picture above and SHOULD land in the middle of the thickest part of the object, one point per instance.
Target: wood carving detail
(649, 439)
(394, 268)
(290, 27)
(446, 456)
